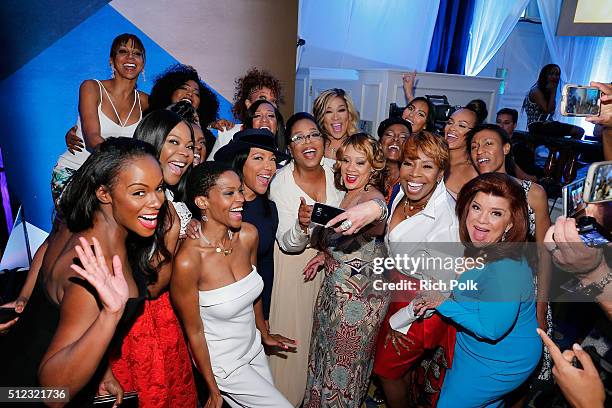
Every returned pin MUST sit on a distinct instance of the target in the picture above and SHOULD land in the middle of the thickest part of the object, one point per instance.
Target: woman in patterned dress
(349, 311)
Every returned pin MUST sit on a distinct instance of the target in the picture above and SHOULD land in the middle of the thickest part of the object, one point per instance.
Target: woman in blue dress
(497, 347)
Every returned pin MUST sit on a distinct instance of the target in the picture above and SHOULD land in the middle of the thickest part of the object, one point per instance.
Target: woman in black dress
(115, 199)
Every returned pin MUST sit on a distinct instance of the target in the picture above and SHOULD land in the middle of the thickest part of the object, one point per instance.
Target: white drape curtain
(492, 23)
(582, 59)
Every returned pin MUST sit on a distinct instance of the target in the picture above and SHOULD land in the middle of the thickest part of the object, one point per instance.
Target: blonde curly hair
(373, 150)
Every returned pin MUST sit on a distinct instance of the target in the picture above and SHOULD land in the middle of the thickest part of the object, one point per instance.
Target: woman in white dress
(216, 291)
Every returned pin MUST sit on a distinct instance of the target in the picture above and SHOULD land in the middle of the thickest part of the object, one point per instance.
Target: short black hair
(203, 177)
(509, 111)
(296, 117)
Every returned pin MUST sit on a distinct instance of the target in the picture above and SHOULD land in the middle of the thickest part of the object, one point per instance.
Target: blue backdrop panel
(28, 27)
(40, 103)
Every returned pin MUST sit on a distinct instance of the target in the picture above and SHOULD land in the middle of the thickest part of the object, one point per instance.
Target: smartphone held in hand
(580, 101)
(323, 213)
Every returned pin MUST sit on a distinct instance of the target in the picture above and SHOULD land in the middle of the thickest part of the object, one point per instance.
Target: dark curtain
(451, 37)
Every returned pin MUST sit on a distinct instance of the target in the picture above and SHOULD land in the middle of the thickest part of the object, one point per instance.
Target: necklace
(411, 207)
(218, 248)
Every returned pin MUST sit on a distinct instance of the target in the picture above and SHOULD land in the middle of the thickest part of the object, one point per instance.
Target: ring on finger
(346, 225)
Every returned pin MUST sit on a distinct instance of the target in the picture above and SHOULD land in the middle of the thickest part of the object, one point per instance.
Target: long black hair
(154, 129)
(543, 77)
(280, 122)
(79, 201)
(175, 77)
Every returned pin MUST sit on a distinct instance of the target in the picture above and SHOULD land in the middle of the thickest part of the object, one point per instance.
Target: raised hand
(111, 286)
(581, 386)
(304, 214)
(408, 79)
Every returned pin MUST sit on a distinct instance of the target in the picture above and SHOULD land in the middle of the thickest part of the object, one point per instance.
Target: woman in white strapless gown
(216, 292)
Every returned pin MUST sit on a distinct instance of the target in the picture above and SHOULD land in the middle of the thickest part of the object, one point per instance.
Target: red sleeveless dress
(154, 359)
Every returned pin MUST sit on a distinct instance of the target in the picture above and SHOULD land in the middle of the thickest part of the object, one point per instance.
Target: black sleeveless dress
(22, 349)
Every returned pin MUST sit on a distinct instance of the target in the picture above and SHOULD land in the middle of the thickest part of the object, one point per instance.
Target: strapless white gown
(237, 356)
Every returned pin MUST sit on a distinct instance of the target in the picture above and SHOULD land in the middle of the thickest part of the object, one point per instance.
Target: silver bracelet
(384, 210)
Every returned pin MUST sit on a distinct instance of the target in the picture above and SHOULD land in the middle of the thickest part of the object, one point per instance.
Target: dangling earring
(112, 72)
(505, 235)
(144, 78)
(204, 217)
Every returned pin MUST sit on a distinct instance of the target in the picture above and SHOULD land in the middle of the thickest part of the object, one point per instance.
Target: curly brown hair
(254, 80)
(364, 143)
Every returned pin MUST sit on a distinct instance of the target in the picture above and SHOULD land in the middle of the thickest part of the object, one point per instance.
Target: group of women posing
(207, 262)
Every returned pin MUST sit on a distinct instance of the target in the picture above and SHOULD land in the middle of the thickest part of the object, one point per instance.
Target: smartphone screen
(601, 184)
(572, 198)
(581, 101)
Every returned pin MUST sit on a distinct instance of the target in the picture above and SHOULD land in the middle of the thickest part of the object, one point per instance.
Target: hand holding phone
(323, 213)
(580, 101)
(598, 183)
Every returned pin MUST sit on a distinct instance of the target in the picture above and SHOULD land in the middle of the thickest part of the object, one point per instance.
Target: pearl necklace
(411, 207)
(218, 248)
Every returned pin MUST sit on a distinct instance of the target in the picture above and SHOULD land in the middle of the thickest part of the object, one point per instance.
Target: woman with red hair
(497, 347)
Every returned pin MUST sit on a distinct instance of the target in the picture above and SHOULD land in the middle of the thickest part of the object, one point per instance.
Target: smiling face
(128, 61)
(189, 91)
(336, 118)
(257, 172)
(176, 154)
(307, 155)
(393, 140)
(416, 113)
(458, 125)
(355, 169)
(488, 218)
(137, 195)
(488, 153)
(419, 177)
(224, 201)
(265, 118)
